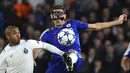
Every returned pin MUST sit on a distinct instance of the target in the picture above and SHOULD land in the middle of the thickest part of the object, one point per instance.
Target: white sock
(74, 57)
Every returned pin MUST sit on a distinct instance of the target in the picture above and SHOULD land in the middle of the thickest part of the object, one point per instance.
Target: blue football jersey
(50, 35)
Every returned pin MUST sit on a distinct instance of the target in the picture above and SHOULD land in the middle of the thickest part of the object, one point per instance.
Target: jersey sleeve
(34, 44)
(3, 67)
(81, 25)
(44, 36)
(38, 44)
(127, 52)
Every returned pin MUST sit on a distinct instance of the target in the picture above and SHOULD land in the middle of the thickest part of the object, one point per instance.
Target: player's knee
(73, 55)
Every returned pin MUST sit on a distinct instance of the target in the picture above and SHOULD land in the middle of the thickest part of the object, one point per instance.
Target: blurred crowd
(101, 50)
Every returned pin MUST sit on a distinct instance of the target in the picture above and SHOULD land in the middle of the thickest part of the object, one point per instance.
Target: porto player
(17, 56)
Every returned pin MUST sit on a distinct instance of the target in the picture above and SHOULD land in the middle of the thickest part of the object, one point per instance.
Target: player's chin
(58, 25)
(18, 41)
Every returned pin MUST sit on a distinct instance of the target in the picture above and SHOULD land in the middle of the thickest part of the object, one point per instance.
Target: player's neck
(59, 26)
(13, 44)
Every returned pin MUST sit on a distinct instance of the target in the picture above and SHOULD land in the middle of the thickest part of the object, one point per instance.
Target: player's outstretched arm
(52, 49)
(38, 44)
(102, 25)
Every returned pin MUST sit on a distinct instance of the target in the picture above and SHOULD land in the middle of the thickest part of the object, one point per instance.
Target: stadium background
(101, 50)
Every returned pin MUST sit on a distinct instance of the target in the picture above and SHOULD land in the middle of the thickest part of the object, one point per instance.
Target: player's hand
(36, 52)
(122, 18)
(125, 63)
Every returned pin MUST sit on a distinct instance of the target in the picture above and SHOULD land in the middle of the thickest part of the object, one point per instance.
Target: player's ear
(65, 16)
(51, 16)
(7, 36)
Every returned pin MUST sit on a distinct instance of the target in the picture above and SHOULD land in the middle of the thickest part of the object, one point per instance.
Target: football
(66, 37)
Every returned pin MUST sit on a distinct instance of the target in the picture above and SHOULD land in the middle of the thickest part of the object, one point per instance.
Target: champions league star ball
(66, 37)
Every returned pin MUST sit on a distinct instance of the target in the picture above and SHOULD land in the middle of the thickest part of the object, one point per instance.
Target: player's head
(12, 33)
(58, 15)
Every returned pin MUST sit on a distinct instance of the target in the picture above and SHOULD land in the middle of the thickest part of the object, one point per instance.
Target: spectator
(31, 19)
(125, 11)
(37, 34)
(107, 43)
(42, 16)
(100, 36)
(113, 6)
(112, 61)
(86, 5)
(90, 60)
(119, 46)
(105, 14)
(99, 49)
(10, 17)
(95, 7)
(39, 15)
(23, 9)
(30, 32)
(71, 14)
(92, 17)
(98, 67)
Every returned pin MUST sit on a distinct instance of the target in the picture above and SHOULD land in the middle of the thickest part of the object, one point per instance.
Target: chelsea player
(58, 16)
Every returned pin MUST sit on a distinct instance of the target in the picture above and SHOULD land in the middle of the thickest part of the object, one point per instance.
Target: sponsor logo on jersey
(25, 51)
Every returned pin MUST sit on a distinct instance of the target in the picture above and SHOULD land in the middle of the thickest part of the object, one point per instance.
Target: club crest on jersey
(68, 25)
(25, 51)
